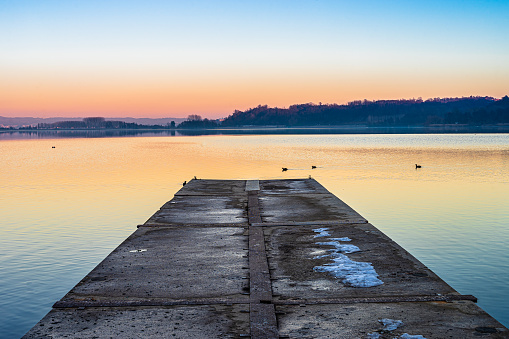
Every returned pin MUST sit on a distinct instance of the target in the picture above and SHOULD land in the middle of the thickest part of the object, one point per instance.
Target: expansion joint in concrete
(148, 302)
(263, 322)
(147, 225)
(368, 300)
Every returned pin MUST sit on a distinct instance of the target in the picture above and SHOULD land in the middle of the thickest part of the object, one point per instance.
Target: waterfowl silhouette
(313, 167)
(417, 166)
(285, 169)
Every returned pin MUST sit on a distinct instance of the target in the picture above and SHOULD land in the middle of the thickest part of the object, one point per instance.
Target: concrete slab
(252, 185)
(263, 321)
(459, 319)
(213, 187)
(291, 186)
(187, 209)
(294, 253)
(306, 208)
(171, 263)
(207, 321)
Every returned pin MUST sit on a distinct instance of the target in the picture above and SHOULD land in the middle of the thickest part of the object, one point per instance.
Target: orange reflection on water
(64, 208)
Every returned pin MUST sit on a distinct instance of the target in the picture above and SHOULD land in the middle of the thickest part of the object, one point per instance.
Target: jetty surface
(262, 259)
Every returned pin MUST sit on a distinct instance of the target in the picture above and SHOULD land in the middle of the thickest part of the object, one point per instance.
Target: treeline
(193, 121)
(97, 123)
(196, 121)
(414, 112)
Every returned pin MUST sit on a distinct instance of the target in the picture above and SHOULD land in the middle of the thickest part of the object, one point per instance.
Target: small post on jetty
(262, 259)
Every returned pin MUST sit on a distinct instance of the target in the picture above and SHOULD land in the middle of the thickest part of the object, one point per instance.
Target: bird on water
(285, 169)
(313, 167)
(417, 166)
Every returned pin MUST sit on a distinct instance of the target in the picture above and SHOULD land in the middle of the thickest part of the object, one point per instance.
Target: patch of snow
(319, 253)
(341, 239)
(351, 273)
(340, 247)
(390, 324)
(322, 232)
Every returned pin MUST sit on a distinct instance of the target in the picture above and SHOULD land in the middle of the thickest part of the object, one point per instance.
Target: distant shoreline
(8, 134)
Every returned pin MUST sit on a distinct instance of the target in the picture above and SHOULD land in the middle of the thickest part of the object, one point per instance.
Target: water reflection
(65, 208)
(57, 134)
(108, 133)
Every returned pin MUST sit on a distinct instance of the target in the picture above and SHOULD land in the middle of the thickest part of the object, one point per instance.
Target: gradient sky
(175, 58)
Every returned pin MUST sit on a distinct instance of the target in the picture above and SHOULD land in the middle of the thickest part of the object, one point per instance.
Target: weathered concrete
(222, 188)
(291, 187)
(190, 209)
(291, 257)
(430, 319)
(171, 263)
(204, 321)
(236, 258)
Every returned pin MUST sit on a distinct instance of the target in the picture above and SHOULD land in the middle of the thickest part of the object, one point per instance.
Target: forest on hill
(467, 111)
(413, 112)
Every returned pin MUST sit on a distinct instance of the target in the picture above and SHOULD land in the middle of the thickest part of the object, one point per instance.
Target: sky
(176, 58)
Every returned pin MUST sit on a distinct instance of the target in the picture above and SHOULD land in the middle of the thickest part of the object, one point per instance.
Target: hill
(413, 112)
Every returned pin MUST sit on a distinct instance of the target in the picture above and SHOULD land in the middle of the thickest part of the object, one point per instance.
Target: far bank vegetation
(413, 112)
(473, 111)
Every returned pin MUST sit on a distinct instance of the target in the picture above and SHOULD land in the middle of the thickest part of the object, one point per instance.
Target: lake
(63, 209)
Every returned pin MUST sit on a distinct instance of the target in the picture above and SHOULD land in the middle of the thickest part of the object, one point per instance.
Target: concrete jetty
(262, 259)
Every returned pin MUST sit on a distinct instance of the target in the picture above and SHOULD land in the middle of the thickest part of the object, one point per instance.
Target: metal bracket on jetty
(262, 259)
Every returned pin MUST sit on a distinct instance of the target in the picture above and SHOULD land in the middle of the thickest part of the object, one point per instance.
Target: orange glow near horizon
(215, 96)
(172, 59)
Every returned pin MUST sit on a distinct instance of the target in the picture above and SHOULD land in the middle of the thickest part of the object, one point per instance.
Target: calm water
(64, 209)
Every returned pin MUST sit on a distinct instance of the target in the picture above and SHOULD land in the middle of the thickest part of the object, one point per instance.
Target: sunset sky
(175, 58)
